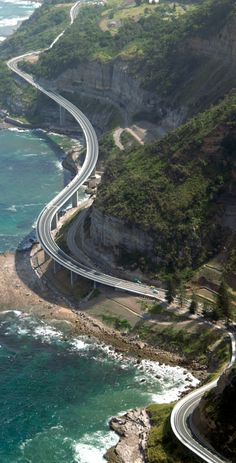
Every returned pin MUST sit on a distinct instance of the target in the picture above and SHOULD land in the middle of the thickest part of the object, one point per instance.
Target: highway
(180, 418)
(45, 219)
(183, 427)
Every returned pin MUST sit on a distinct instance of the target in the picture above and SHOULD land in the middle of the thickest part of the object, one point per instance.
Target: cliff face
(206, 73)
(105, 239)
(114, 83)
(221, 46)
(215, 415)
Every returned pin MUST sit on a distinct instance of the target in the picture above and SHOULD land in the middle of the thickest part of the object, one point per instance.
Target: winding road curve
(46, 217)
(183, 426)
(182, 411)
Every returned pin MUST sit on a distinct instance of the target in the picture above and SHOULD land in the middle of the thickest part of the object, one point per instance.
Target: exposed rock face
(114, 84)
(133, 428)
(214, 418)
(104, 237)
(221, 46)
(117, 83)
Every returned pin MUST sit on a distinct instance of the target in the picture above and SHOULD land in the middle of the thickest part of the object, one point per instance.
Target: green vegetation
(170, 291)
(107, 147)
(154, 43)
(193, 304)
(62, 233)
(223, 303)
(195, 341)
(38, 31)
(34, 34)
(156, 309)
(220, 409)
(8, 86)
(163, 446)
(183, 187)
(128, 141)
(119, 324)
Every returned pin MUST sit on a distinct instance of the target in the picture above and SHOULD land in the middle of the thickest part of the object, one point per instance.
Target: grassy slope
(182, 176)
(162, 446)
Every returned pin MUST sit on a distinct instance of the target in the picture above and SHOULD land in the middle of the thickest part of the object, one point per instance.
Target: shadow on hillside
(42, 286)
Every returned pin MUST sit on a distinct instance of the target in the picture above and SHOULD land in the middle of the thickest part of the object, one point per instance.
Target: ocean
(12, 13)
(30, 175)
(57, 393)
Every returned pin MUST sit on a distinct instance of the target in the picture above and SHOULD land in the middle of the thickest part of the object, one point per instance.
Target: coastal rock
(103, 238)
(133, 428)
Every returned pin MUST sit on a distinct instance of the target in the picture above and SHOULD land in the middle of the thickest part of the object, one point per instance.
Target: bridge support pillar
(94, 285)
(74, 199)
(56, 266)
(54, 222)
(73, 278)
(62, 115)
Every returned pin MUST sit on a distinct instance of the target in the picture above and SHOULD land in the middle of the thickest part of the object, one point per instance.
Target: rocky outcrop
(105, 238)
(221, 46)
(133, 428)
(118, 83)
(115, 85)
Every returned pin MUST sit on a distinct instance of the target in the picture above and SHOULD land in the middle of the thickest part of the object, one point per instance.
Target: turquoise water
(57, 395)
(30, 175)
(12, 12)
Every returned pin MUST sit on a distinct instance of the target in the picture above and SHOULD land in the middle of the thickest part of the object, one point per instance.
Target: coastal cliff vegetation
(216, 415)
(158, 40)
(34, 34)
(174, 187)
(39, 30)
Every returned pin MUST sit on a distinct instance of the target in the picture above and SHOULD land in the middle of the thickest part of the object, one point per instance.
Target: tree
(223, 302)
(171, 291)
(193, 304)
(181, 294)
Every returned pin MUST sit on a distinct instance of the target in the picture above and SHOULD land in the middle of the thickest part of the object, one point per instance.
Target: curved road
(182, 411)
(182, 425)
(45, 219)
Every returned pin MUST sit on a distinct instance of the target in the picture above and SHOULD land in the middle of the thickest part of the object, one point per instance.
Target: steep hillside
(34, 34)
(125, 63)
(216, 415)
(163, 202)
(162, 67)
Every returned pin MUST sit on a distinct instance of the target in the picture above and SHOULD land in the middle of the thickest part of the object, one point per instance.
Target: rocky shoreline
(133, 429)
(21, 287)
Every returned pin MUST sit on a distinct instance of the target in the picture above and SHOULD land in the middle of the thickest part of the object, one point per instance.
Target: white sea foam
(92, 447)
(11, 208)
(14, 207)
(12, 21)
(59, 165)
(47, 333)
(30, 155)
(17, 129)
(79, 344)
(17, 313)
(29, 205)
(171, 381)
(23, 3)
(2, 38)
